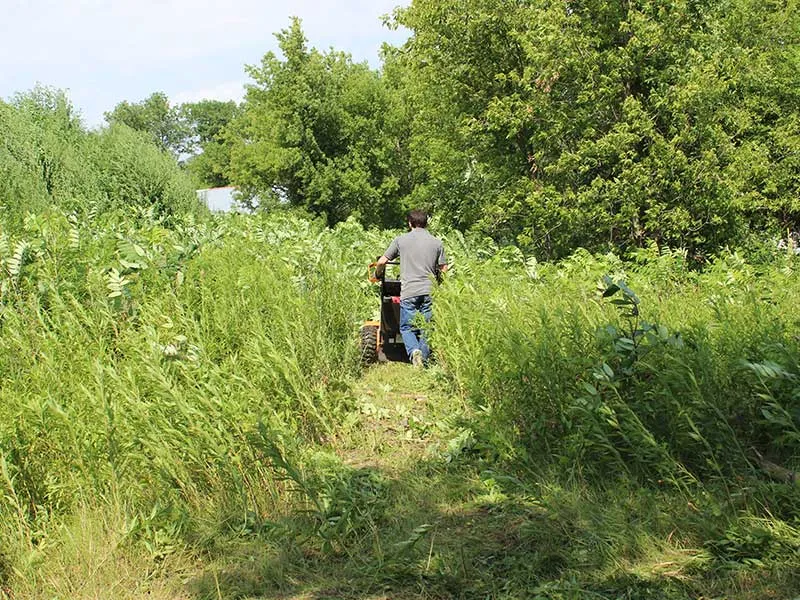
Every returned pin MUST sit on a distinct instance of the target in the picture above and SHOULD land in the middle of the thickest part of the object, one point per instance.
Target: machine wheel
(369, 344)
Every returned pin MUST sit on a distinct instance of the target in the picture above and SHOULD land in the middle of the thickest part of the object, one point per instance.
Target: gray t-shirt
(421, 254)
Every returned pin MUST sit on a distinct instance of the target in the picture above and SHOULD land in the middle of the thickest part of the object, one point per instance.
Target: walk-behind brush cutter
(381, 340)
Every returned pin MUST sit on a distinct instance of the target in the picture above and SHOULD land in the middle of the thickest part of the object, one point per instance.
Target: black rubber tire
(369, 344)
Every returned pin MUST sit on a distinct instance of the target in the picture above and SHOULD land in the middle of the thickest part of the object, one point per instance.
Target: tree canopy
(322, 132)
(155, 116)
(551, 125)
(206, 122)
(599, 123)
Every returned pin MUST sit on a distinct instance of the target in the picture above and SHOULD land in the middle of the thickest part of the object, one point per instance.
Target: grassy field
(183, 415)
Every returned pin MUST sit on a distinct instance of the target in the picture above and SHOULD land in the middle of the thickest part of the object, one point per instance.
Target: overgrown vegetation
(182, 408)
(605, 124)
(551, 125)
(198, 386)
(49, 159)
(683, 379)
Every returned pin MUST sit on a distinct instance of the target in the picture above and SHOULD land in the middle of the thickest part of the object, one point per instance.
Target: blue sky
(106, 51)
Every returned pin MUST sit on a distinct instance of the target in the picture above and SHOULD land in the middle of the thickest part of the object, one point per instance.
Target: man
(421, 260)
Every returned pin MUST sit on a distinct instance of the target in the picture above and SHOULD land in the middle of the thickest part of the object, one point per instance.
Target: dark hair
(418, 218)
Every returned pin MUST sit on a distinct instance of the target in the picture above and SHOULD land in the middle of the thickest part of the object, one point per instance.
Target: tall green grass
(155, 369)
(173, 375)
(702, 378)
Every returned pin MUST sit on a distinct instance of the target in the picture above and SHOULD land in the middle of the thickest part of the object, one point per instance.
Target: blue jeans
(413, 338)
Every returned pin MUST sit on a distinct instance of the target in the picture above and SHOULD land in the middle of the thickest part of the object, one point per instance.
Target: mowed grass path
(437, 521)
(402, 436)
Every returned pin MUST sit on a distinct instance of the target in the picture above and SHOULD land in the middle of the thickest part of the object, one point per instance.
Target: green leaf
(589, 388)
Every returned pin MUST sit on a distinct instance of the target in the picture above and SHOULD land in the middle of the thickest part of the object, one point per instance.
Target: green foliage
(196, 129)
(319, 131)
(550, 126)
(207, 121)
(155, 117)
(604, 125)
(49, 159)
(130, 171)
(195, 378)
(129, 329)
(41, 159)
(607, 427)
(656, 390)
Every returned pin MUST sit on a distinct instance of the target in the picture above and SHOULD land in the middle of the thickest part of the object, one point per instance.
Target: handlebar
(376, 272)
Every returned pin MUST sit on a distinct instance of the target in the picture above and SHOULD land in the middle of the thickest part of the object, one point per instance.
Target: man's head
(417, 218)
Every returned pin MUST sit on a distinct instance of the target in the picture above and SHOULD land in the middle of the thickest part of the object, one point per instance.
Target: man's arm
(391, 253)
(442, 259)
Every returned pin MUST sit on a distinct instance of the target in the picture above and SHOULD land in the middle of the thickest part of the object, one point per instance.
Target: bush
(49, 159)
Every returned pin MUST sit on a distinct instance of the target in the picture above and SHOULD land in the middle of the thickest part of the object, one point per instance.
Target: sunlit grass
(199, 426)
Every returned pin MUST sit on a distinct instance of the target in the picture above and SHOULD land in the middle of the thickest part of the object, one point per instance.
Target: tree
(154, 116)
(320, 131)
(604, 124)
(207, 119)
(211, 147)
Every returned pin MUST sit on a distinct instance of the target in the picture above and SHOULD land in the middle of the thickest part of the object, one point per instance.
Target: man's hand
(440, 270)
(380, 268)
